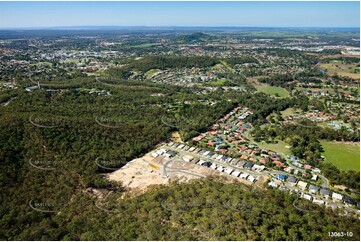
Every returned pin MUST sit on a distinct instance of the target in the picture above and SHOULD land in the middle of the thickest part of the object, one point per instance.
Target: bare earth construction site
(148, 170)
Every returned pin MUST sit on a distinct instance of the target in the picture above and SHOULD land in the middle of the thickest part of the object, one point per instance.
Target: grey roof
(248, 165)
(325, 191)
(349, 200)
(171, 152)
(292, 179)
(313, 187)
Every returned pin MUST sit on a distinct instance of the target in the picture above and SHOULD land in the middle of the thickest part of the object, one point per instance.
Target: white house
(302, 185)
(336, 196)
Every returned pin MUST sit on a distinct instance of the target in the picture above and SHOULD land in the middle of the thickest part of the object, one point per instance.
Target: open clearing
(346, 156)
(291, 112)
(138, 174)
(341, 69)
(272, 90)
(279, 147)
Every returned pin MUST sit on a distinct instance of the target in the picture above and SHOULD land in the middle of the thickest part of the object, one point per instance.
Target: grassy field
(219, 82)
(143, 45)
(279, 147)
(225, 64)
(272, 90)
(345, 156)
(341, 69)
(290, 112)
(151, 72)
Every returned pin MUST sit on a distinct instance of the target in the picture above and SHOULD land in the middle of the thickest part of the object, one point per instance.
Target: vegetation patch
(273, 91)
(346, 156)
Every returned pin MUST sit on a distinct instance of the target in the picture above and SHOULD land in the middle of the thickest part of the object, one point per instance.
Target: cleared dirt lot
(145, 171)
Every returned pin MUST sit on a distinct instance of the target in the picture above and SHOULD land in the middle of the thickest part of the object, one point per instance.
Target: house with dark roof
(349, 201)
(325, 192)
(248, 165)
(170, 153)
(313, 189)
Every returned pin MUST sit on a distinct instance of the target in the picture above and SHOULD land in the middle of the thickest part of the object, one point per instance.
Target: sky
(243, 14)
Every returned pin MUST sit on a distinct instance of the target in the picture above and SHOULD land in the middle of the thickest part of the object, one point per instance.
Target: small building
(251, 179)
(337, 196)
(316, 170)
(213, 166)
(349, 201)
(319, 201)
(228, 171)
(241, 163)
(325, 192)
(170, 153)
(307, 196)
(282, 177)
(302, 185)
(207, 164)
(314, 177)
(195, 160)
(229, 159)
(258, 167)
(188, 158)
(248, 165)
(244, 176)
(292, 180)
(219, 157)
(220, 168)
(236, 173)
(181, 146)
(313, 189)
(31, 88)
(288, 169)
(154, 154)
(272, 184)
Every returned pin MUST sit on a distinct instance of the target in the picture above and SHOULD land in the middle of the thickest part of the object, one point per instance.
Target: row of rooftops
(313, 189)
(210, 154)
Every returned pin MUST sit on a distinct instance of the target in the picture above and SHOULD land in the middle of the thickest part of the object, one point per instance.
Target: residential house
(307, 196)
(272, 184)
(248, 165)
(236, 173)
(313, 189)
(325, 192)
(292, 180)
(337, 196)
(282, 177)
(302, 185)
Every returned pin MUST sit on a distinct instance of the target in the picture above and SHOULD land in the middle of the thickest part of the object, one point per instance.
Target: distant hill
(194, 37)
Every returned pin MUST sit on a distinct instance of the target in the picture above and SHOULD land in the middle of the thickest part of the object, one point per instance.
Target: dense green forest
(201, 210)
(50, 142)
